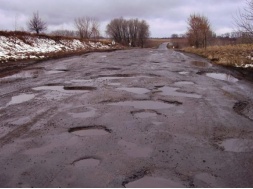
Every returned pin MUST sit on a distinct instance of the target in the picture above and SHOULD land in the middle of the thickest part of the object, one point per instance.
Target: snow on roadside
(32, 47)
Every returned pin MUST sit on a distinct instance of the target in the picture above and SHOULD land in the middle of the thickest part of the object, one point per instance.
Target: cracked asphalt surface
(130, 118)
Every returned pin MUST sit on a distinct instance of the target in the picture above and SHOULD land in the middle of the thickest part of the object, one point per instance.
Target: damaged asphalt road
(131, 118)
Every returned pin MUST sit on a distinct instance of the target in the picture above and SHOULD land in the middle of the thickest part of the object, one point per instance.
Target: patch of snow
(36, 47)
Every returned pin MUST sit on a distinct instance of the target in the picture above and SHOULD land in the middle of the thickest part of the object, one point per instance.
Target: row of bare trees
(131, 32)
(87, 27)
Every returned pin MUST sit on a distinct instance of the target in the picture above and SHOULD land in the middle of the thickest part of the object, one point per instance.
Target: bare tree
(199, 30)
(36, 24)
(87, 27)
(133, 32)
(244, 21)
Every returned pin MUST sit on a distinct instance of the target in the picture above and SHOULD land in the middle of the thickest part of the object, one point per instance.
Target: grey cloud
(62, 12)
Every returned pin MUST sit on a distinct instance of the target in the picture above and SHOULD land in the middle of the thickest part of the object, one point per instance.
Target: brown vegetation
(229, 55)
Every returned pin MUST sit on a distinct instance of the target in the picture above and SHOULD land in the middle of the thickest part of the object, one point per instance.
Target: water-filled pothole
(181, 83)
(154, 182)
(171, 91)
(20, 99)
(51, 88)
(183, 73)
(90, 131)
(145, 114)
(135, 90)
(151, 105)
(222, 76)
(86, 162)
(24, 75)
(200, 64)
(237, 145)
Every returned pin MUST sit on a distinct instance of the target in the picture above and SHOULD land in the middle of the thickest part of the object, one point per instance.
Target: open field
(229, 55)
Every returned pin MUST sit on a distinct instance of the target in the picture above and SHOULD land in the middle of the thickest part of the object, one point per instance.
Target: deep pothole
(86, 162)
(142, 114)
(80, 88)
(96, 130)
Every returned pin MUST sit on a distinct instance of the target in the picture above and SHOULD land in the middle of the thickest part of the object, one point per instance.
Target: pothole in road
(23, 75)
(237, 145)
(148, 105)
(145, 114)
(59, 88)
(183, 73)
(86, 162)
(171, 91)
(135, 90)
(154, 182)
(200, 64)
(20, 99)
(133, 150)
(222, 76)
(182, 83)
(54, 72)
(79, 88)
(90, 131)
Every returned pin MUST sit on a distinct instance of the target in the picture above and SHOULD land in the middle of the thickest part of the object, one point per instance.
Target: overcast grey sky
(165, 17)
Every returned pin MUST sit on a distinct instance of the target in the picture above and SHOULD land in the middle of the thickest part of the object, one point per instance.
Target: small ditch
(96, 130)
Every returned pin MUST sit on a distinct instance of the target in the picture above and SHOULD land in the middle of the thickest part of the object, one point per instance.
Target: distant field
(154, 43)
(229, 55)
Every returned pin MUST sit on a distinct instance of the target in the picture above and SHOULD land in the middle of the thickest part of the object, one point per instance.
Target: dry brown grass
(229, 55)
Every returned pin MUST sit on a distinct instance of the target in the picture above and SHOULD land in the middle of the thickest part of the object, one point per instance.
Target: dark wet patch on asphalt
(96, 130)
(86, 162)
(243, 108)
(240, 106)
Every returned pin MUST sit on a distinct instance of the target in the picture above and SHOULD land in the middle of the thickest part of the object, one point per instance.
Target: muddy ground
(130, 118)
